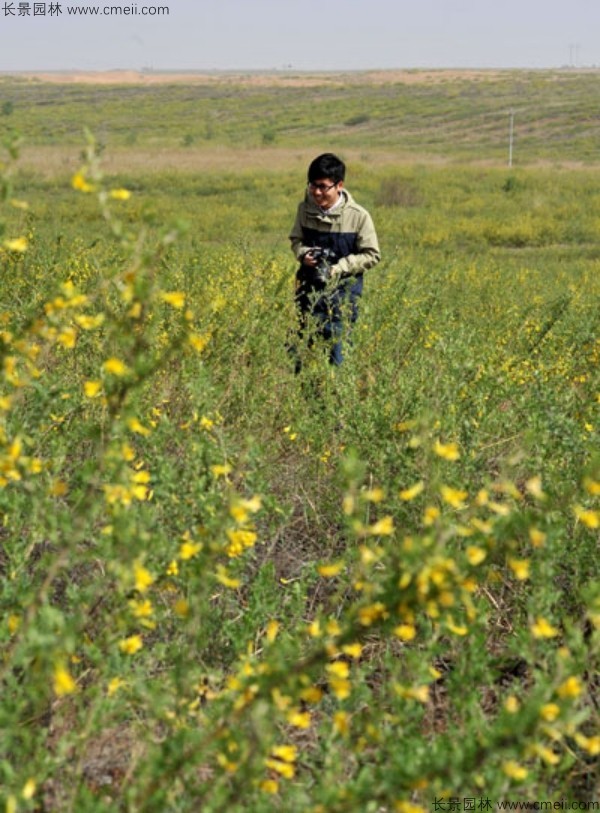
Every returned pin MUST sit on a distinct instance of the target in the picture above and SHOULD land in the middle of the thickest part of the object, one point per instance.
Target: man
(329, 218)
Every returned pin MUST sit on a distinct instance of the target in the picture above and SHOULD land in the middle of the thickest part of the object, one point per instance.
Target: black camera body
(325, 258)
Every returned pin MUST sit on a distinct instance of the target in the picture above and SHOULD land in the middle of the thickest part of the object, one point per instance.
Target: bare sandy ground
(413, 76)
(258, 79)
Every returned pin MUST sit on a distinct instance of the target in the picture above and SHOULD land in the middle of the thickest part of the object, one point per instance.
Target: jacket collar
(315, 210)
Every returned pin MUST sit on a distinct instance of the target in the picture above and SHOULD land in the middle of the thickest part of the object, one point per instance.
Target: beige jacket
(348, 230)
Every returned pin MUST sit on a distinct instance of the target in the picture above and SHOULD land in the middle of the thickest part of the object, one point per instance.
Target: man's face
(325, 192)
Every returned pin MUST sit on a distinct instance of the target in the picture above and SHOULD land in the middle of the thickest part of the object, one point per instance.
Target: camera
(325, 258)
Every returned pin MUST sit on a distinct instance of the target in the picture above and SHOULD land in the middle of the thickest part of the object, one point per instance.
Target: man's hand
(309, 259)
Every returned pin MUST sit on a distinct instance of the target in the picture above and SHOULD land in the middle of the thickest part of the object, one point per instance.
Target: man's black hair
(327, 165)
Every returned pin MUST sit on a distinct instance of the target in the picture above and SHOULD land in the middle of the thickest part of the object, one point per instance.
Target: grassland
(227, 587)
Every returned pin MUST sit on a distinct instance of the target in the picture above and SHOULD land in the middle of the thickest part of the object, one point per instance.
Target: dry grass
(56, 161)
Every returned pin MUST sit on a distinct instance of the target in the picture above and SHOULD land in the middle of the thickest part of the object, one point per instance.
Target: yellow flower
(329, 571)
(131, 645)
(87, 322)
(457, 629)
(571, 688)
(453, 496)
(374, 495)
(198, 342)
(79, 182)
(537, 537)
(589, 518)
(405, 426)
(549, 712)
(141, 609)
(127, 452)
(269, 786)
(348, 505)
(239, 540)
(534, 487)
(223, 577)
(58, 488)
(514, 771)
(241, 509)
(13, 622)
(181, 608)
(475, 555)
(520, 567)
(114, 685)
(543, 629)
(511, 704)
(189, 549)
(383, 527)
(406, 632)
(402, 806)
(142, 577)
(341, 722)
(221, 469)
(341, 687)
(18, 244)
(63, 682)
(134, 425)
(174, 298)
(312, 694)
(352, 650)
(448, 451)
(92, 388)
(430, 515)
(120, 194)
(419, 693)
(546, 754)
(29, 789)
(408, 494)
(592, 486)
(286, 753)
(272, 630)
(68, 338)
(299, 719)
(373, 612)
(589, 744)
(283, 768)
(338, 669)
(115, 366)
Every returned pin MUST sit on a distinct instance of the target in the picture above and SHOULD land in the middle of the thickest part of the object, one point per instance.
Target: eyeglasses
(321, 187)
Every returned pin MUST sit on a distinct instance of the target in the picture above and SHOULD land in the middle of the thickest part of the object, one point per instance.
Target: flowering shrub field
(229, 588)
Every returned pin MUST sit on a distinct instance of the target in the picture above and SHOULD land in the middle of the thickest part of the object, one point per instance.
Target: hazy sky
(301, 34)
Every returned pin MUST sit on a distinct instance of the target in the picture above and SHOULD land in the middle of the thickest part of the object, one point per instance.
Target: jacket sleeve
(296, 236)
(367, 249)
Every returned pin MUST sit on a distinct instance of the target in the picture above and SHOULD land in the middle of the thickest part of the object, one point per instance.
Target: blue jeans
(332, 312)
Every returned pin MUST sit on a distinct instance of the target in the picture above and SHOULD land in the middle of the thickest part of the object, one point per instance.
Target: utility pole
(511, 128)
